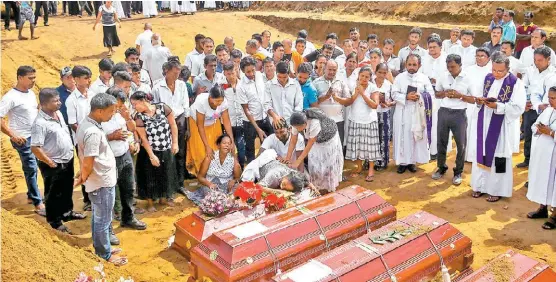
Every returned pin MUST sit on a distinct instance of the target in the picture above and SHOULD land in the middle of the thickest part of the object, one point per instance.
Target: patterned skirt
(326, 164)
(362, 142)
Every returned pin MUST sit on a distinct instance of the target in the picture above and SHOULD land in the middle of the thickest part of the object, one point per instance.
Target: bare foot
(151, 209)
(23, 38)
(34, 37)
(117, 260)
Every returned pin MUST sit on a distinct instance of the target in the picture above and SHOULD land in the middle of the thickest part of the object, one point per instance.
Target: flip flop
(477, 194)
(354, 174)
(116, 251)
(41, 212)
(118, 261)
(75, 216)
(550, 225)
(493, 199)
(369, 178)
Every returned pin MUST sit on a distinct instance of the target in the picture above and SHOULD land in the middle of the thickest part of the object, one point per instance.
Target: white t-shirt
(202, 106)
(21, 109)
(119, 147)
(144, 40)
(360, 112)
(461, 84)
(272, 142)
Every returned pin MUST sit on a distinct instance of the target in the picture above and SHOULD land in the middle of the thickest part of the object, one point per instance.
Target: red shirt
(527, 30)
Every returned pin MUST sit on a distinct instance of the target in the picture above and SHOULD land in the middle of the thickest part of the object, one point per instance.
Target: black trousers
(125, 186)
(456, 122)
(181, 122)
(73, 8)
(10, 5)
(137, 6)
(85, 194)
(44, 5)
(58, 191)
(97, 5)
(250, 134)
(126, 5)
(529, 119)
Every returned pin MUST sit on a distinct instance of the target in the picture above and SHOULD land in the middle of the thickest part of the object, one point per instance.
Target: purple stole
(427, 100)
(495, 126)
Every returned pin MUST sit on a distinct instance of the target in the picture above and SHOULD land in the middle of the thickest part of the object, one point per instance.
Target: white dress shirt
(447, 44)
(333, 109)
(119, 147)
(405, 51)
(177, 101)
(154, 60)
(99, 87)
(467, 54)
(21, 109)
(283, 100)
(538, 83)
(528, 57)
(192, 61)
(461, 84)
(434, 68)
(251, 92)
(235, 111)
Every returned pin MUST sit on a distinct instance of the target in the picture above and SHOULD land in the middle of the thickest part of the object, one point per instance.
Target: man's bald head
(228, 39)
(155, 39)
(148, 26)
(330, 69)
(287, 45)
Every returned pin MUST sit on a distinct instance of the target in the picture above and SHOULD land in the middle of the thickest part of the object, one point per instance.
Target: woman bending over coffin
(324, 148)
(221, 173)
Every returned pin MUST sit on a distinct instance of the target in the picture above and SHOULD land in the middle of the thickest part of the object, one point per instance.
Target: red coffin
(510, 267)
(412, 256)
(257, 250)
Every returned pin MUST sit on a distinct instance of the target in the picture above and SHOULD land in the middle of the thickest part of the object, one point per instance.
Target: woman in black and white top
(155, 169)
(107, 13)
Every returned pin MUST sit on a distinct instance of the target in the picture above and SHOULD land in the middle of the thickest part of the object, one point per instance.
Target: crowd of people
(147, 124)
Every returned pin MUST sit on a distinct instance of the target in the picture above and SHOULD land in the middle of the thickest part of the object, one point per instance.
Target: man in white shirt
(269, 70)
(453, 89)
(409, 88)
(143, 42)
(502, 102)
(283, 95)
(413, 47)
(347, 47)
(198, 65)
(197, 55)
(333, 95)
(20, 106)
(132, 57)
(250, 92)
(453, 41)
(209, 77)
(477, 74)
(465, 50)
(157, 56)
(537, 80)
(389, 58)
(260, 48)
(434, 67)
(507, 48)
(538, 37)
(279, 141)
(173, 92)
(309, 46)
(235, 111)
(119, 132)
(105, 74)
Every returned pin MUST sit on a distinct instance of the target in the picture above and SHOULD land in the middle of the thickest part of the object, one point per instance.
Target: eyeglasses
(65, 71)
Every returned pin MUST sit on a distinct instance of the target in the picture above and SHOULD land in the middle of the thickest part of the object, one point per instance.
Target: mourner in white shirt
(78, 103)
(196, 56)
(143, 42)
(283, 95)
(414, 37)
(132, 57)
(538, 37)
(465, 50)
(507, 47)
(279, 141)
(105, 74)
(156, 57)
(452, 41)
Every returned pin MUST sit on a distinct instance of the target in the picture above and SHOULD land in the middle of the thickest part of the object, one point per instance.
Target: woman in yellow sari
(208, 114)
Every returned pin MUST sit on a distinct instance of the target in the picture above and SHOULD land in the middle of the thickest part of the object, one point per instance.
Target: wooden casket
(259, 249)
(410, 249)
(509, 267)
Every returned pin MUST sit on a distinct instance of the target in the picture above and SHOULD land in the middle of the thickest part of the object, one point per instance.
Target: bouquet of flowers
(249, 193)
(215, 203)
(273, 202)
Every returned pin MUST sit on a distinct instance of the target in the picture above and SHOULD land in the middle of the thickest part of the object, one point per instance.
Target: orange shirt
(297, 60)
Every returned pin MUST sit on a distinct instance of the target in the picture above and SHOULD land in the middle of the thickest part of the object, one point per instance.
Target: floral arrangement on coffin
(216, 203)
(249, 193)
(273, 202)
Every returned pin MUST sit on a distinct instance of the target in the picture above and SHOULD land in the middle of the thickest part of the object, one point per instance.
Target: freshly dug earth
(494, 228)
(30, 252)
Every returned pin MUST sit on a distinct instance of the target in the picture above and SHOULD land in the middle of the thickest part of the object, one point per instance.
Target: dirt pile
(30, 252)
(461, 12)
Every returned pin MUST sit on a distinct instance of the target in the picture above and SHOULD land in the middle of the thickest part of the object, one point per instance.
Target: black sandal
(74, 216)
(477, 194)
(540, 213)
(550, 224)
(492, 199)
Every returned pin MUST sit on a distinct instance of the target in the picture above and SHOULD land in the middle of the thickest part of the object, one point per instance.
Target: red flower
(249, 192)
(274, 203)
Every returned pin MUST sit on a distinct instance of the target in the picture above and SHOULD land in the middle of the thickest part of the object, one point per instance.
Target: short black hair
(121, 66)
(453, 58)
(221, 47)
(544, 51)
(282, 68)
(117, 93)
(468, 32)
(216, 92)
(105, 64)
(305, 68)
(372, 36)
(327, 46)
(500, 9)
(207, 39)
(199, 37)
(247, 61)
(121, 76)
(135, 68)
(210, 58)
(257, 37)
(498, 27)
(512, 45)
(185, 73)
(511, 13)
(25, 70)
(416, 30)
(228, 66)
(434, 39)
(484, 50)
(301, 40)
(131, 51)
(298, 118)
(47, 94)
(414, 55)
(221, 138)
(389, 41)
(353, 29)
(277, 45)
(303, 34)
(236, 54)
(174, 58)
(265, 31)
(268, 60)
(331, 35)
(81, 71)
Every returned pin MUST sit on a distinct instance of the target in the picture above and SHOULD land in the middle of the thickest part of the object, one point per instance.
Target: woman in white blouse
(384, 114)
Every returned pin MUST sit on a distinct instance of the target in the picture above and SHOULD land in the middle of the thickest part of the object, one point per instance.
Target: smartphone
(491, 100)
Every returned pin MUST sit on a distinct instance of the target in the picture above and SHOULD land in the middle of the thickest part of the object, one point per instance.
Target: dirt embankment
(460, 12)
(30, 252)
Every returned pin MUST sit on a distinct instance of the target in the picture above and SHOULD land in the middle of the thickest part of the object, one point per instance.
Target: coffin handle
(323, 234)
(362, 212)
(274, 259)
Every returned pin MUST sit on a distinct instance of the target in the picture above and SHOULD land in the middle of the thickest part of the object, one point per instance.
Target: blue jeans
(102, 201)
(29, 166)
(240, 144)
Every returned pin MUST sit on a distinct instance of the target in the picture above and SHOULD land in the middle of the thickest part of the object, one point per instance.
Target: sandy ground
(494, 228)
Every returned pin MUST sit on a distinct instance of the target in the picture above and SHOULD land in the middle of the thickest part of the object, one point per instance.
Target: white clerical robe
(467, 54)
(487, 180)
(435, 69)
(477, 76)
(542, 166)
(407, 150)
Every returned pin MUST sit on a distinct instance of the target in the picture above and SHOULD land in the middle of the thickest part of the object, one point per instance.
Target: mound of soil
(462, 12)
(30, 252)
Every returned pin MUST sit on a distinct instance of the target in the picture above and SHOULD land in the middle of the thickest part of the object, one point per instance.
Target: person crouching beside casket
(272, 173)
(220, 171)
(280, 141)
(542, 166)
